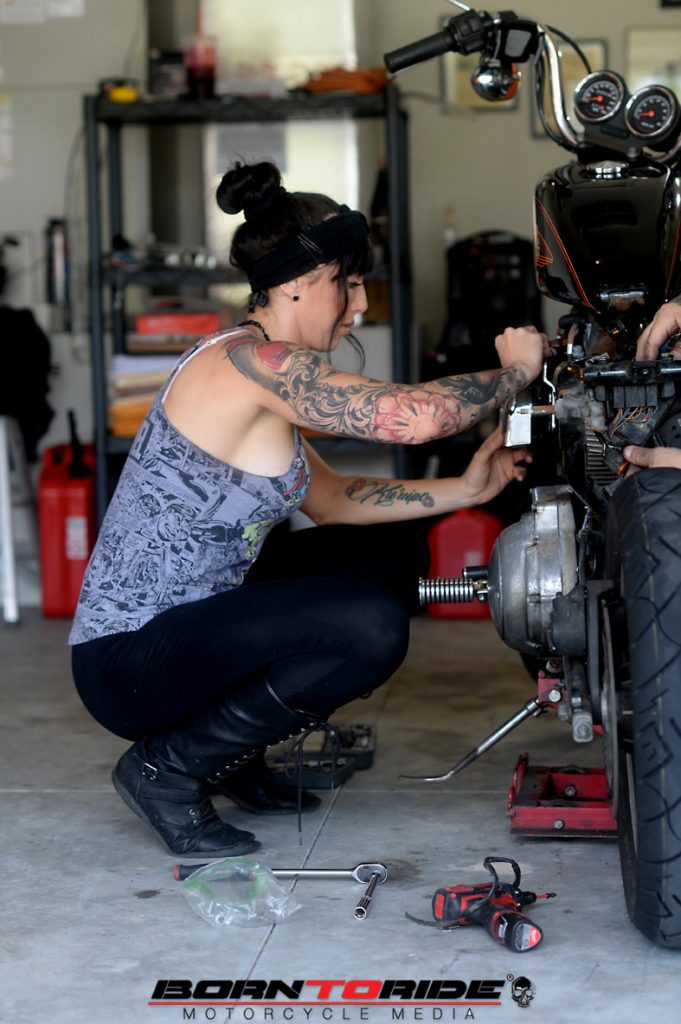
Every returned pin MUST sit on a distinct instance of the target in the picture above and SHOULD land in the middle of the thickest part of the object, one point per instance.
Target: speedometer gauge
(652, 112)
(599, 96)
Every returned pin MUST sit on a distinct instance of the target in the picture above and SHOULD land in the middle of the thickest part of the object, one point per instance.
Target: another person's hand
(653, 458)
(524, 348)
(666, 321)
(492, 468)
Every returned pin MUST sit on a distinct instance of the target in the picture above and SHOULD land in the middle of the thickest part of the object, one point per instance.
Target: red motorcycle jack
(568, 801)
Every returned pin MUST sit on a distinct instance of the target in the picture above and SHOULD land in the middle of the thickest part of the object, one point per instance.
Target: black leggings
(324, 612)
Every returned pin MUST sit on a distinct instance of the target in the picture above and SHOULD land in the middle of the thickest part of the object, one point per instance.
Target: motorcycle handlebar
(416, 53)
(515, 39)
(464, 33)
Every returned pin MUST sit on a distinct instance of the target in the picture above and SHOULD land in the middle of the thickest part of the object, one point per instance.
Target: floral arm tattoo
(371, 409)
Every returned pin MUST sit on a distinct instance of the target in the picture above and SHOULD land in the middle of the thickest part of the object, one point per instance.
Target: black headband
(321, 243)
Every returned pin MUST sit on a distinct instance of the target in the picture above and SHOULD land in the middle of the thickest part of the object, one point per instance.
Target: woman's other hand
(492, 468)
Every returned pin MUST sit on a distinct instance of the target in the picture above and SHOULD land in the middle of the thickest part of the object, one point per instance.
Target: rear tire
(644, 556)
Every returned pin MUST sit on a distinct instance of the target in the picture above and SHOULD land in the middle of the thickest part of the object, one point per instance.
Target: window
(266, 46)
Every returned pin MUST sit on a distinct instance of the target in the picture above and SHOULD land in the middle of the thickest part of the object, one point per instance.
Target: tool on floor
(370, 874)
(362, 908)
(496, 906)
(360, 873)
(530, 708)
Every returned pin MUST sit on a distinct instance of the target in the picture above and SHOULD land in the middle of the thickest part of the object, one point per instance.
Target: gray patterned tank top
(182, 525)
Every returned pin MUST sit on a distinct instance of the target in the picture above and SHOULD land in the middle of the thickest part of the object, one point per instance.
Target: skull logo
(522, 991)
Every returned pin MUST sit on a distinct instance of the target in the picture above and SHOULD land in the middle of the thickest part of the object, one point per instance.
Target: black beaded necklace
(256, 323)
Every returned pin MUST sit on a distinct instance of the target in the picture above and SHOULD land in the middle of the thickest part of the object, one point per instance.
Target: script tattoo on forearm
(372, 410)
(386, 493)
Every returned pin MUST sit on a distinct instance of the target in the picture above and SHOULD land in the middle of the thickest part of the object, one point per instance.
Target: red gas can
(462, 538)
(66, 515)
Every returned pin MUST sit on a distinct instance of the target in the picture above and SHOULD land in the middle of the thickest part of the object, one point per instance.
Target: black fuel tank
(599, 238)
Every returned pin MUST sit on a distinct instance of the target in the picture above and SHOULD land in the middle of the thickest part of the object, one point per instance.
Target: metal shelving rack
(100, 111)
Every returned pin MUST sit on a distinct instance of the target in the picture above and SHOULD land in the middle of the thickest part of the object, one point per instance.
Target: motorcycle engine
(533, 561)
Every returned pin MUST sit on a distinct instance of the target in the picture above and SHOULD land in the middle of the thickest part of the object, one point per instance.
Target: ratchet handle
(361, 873)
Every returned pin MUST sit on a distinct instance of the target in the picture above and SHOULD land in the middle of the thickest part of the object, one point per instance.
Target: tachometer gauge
(598, 96)
(652, 112)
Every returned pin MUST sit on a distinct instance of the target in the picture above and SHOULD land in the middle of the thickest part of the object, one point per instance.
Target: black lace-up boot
(163, 777)
(175, 806)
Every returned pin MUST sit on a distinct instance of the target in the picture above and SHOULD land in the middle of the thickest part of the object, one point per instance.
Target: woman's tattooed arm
(326, 399)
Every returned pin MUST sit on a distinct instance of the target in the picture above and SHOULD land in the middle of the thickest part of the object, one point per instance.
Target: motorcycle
(587, 584)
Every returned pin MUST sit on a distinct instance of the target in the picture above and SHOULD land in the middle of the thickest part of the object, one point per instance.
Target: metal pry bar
(531, 708)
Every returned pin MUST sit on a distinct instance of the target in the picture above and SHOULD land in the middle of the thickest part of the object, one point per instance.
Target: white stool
(12, 457)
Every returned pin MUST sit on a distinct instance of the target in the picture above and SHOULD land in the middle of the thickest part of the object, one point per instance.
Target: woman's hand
(524, 348)
(492, 468)
(666, 322)
(653, 458)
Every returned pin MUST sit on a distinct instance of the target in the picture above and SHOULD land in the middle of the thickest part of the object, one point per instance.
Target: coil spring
(446, 591)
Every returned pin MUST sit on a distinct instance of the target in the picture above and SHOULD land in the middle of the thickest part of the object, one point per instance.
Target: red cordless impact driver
(497, 907)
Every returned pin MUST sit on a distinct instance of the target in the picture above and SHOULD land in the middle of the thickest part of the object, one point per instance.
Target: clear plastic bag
(238, 891)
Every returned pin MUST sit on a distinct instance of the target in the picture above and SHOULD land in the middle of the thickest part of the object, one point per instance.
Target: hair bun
(249, 187)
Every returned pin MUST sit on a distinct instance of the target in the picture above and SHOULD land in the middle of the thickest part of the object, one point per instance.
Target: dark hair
(274, 215)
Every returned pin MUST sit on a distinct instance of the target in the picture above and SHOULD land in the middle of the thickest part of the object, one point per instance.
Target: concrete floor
(92, 917)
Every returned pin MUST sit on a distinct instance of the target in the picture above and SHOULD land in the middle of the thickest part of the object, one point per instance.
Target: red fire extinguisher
(66, 513)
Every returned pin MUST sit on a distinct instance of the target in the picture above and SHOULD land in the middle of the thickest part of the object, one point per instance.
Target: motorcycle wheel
(644, 556)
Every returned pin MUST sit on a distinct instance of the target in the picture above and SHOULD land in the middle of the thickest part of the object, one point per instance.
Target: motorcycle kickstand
(531, 709)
